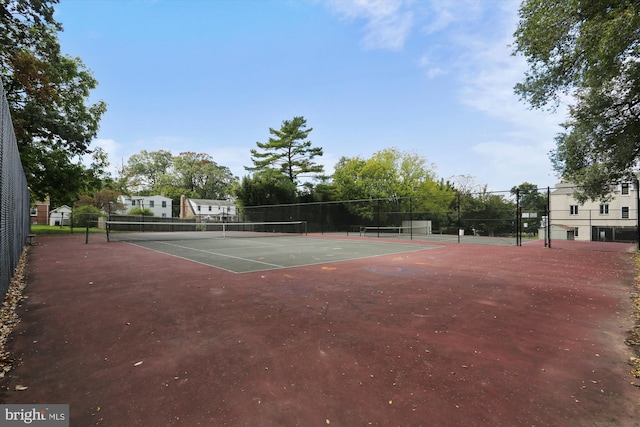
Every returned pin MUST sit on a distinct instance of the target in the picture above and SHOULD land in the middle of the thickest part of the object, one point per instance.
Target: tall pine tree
(288, 152)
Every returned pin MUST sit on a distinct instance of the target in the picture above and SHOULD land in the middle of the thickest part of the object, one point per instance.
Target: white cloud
(233, 157)
(388, 23)
(108, 145)
(443, 14)
(432, 68)
(514, 163)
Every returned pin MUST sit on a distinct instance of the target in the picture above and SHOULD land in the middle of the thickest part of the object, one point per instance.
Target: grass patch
(65, 229)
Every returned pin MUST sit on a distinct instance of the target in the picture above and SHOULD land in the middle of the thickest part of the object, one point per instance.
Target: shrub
(85, 215)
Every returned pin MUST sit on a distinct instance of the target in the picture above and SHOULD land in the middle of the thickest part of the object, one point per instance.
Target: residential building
(209, 210)
(60, 215)
(39, 213)
(612, 220)
(160, 206)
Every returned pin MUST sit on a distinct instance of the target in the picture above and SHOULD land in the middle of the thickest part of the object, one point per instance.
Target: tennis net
(166, 231)
(393, 231)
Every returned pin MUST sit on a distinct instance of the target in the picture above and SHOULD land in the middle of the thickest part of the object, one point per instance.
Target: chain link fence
(452, 217)
(14, 199)
(499, 217)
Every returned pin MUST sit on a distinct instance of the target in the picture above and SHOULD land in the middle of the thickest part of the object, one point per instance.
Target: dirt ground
(459, 335)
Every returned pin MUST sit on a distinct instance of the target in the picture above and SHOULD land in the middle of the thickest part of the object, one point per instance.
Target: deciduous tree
(200, 174)
(48, 95)
(589, 50)
(264, 189)
(405, 178)
(145, 170)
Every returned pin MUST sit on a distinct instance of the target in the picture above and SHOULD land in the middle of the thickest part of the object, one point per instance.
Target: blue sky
(431, 77)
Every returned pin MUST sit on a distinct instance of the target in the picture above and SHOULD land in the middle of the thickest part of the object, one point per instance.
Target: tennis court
(324, 331)
(242, 255)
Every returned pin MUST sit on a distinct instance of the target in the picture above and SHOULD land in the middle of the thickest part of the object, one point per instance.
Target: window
(151, 203)
(575, 231)
(625, 188)
(198, 208)
(604, 209)
(33, 211)
(164, 203)
(133, 203)
(209, 208)
(625, 212)
(573, 209)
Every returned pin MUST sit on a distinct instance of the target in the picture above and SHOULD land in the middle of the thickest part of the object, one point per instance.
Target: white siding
(154, 203)
(591, 214)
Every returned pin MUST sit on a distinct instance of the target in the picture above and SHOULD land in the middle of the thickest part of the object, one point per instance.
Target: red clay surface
(461, 335)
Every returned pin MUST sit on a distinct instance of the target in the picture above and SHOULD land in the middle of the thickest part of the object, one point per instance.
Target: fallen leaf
(21, 387)
(138, 363)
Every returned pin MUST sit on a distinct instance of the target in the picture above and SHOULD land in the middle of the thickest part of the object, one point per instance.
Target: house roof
(62, 208)
(205, 202)
(566, 227)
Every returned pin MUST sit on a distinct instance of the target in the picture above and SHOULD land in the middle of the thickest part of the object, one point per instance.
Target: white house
(160, 206)
(60, 215)
(613, 220)
(209, 210)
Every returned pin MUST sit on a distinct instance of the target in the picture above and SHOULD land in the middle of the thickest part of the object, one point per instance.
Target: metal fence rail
(14, 199)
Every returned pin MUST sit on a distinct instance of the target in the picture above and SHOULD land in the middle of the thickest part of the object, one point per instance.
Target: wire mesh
(507, 217)
(14, 199)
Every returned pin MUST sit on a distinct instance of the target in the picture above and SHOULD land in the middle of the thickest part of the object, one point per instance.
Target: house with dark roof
(208, 210)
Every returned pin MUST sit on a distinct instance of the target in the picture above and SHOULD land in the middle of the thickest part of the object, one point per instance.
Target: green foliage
(391, 174)
(199, 174)
(146, 170)
(488, 213)
(265, 189)
(140, 212)
(194, 175)
(588, 50)
(104, 200)
(531, 201)
(288, 152)
(85, 215)
(48, 95)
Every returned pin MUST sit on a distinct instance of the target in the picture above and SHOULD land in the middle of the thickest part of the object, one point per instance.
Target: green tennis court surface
(256, 254)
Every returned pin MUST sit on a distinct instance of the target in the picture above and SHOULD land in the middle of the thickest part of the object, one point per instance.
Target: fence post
(549, 215)
(638, 211)
(410, 218)
(518, 214)
(378, 218)
(458, 230)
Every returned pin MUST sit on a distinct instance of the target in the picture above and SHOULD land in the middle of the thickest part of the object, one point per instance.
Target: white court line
(417, 249)
(181, 257)
(223, 255)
